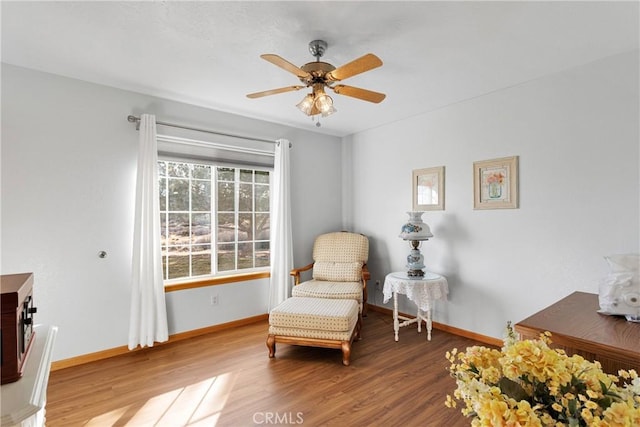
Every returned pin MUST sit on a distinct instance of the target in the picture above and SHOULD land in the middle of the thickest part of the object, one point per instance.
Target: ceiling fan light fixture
(324, 104)
(318, 75)
(306, 105)
(329, 112)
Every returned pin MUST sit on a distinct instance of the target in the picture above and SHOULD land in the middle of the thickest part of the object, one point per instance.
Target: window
(214, 219)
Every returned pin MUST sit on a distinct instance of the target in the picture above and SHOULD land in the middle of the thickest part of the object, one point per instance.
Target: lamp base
(415, 261)
(415, 273)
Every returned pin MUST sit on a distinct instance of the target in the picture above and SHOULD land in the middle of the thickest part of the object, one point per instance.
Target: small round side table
(421, 290)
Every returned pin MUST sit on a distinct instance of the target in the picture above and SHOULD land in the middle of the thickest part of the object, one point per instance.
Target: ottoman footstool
(315, 322)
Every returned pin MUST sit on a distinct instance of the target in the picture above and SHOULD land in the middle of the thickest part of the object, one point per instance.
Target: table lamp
(415, 231)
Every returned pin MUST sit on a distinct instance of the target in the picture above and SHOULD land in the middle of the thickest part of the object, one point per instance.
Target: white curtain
(281, 240)
(148, 319)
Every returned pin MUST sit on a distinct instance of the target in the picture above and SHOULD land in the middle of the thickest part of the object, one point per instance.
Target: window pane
(163, 229)
(226, 257)
(246, 196)
(246, 175)
(201, 196)
(178, 170)
(162, 183)
(178, 260)
(201, 172)
(226, 228)
(262, 198)
(226, 197)
(178, 229)
(200, 260)
(226, 174)
(201, 228)
(178, 194)
(262, 254)
(245, 255)
(262, 177)
(245, 227)
(164, 263)
(262, 226)
(191, 206)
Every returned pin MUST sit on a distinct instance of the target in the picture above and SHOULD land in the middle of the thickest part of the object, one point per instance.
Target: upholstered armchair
(338, 269)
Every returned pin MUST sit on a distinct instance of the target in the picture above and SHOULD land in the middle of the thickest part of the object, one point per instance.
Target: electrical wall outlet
(378, 284)
(214, 299)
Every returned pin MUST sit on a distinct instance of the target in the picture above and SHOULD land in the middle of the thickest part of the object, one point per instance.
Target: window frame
(228, 276)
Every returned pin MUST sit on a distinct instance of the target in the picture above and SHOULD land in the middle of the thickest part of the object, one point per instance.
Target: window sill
(214, 281)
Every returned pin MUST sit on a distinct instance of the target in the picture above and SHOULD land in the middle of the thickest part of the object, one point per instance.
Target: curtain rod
(136, 120)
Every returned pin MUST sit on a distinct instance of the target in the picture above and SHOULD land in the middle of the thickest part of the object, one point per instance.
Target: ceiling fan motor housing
(317, 48)
(317, 70)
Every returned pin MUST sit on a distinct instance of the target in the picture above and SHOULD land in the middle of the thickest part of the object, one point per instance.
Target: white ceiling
(208, 53)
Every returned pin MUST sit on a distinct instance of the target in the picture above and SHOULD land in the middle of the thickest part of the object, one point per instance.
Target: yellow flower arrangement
(527, 383)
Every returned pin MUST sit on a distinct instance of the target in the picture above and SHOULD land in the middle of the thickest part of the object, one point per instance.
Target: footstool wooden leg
(346, 353)
(271, 344)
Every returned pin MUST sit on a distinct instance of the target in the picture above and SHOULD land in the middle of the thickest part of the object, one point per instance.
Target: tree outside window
(214, 219)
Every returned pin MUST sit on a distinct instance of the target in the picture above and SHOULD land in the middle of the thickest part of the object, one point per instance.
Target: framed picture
(428, 189)
(495, 183)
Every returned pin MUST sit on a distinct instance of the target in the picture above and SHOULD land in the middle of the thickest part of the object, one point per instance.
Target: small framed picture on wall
(428, 189)
(495, 183)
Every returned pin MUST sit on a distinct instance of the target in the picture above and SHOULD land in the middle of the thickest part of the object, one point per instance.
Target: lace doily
(421, 290)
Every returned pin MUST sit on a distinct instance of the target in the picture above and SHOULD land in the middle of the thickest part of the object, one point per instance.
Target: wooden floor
(227, 379)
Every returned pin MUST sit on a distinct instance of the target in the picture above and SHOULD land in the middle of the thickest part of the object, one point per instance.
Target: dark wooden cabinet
(578, 328)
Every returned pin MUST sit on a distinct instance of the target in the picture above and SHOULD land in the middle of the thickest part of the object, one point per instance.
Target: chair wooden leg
(346, 353)
(364, 301)
(271, 345)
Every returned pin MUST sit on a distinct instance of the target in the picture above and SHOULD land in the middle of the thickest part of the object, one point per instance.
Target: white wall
(68, 176)
(576, 135)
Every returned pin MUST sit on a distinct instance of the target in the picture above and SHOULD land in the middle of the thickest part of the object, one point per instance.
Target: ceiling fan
(319, 76)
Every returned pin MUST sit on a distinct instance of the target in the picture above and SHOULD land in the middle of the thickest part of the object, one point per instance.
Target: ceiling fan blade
(356, 92)
(274, 91)
(357, 66)
(286, 65)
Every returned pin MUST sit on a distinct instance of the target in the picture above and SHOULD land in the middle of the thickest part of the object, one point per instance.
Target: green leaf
(604, 403)
(573, 422)
(617, 396)
(604, 387)
(512, 389)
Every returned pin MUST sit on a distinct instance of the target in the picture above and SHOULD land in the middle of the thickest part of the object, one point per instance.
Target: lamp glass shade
(306, 105)
(329, 112)
(324, 103)
(415, 228)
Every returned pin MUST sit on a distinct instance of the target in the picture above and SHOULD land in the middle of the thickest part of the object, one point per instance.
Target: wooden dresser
(578, 328)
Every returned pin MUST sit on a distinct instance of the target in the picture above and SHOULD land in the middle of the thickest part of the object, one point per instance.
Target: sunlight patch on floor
(198, 404)
(109, 418)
